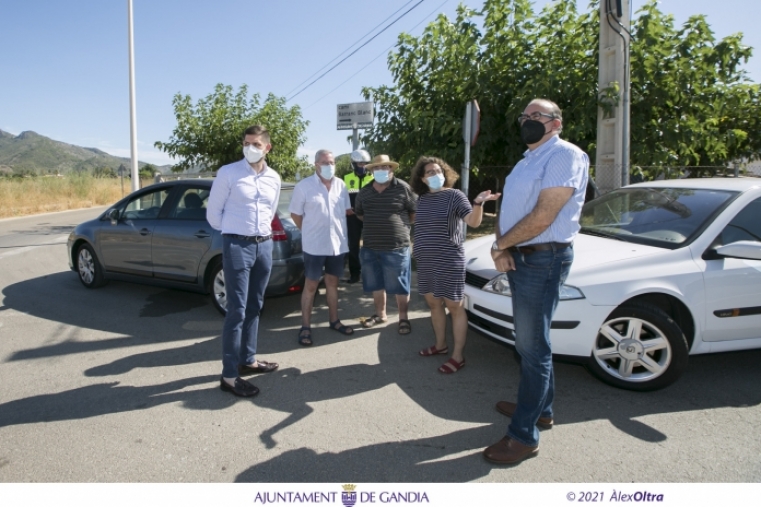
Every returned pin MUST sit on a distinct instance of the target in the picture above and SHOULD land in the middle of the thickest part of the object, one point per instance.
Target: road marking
(58, 240)
(17, 251)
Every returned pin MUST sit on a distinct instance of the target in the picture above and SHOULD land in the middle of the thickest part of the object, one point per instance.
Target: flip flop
(337, 326)
(451, 366)
(371, 321)
(432, 351)
(404, 326)
(305, 339)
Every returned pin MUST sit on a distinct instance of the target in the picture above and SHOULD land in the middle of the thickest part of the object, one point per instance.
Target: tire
(88, 267)
(217, 286)
(653, 359)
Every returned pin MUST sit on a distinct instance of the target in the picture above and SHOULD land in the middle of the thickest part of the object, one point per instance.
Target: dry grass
(29, 196)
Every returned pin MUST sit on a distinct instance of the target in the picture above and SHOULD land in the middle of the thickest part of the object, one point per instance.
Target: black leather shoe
(261, 367)
(352, 279)
(242, 387)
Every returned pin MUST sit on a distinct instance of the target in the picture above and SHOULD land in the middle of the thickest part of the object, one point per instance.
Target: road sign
(358, 115)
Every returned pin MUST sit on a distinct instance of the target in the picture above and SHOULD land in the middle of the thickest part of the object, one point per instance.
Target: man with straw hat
(387, 208)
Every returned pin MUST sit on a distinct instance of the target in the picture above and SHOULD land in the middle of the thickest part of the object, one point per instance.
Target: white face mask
(381, 175)
(327, 171)
(252, 154)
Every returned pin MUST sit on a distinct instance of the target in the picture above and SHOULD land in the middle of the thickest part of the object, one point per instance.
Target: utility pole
(612, 162)
(132, 106)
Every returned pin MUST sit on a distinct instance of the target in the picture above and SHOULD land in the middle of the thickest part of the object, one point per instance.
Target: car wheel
(639, 348)
(217, 287)
(88, 267)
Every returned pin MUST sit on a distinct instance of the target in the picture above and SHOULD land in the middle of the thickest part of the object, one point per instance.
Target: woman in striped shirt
(438, 251)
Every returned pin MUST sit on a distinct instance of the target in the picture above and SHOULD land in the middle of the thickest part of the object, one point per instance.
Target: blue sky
(64, 64)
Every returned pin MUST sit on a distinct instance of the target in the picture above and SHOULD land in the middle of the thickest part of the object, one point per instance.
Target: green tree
(104, 172)
(208, 133)
(147, 172)
(691, 102)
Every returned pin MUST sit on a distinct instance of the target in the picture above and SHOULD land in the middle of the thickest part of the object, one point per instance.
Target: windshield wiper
(599, 233)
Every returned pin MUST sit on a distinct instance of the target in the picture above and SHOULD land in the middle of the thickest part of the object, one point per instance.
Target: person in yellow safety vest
(355, 180)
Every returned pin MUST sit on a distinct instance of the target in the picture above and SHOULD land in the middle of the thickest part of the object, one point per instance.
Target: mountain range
(30, 152)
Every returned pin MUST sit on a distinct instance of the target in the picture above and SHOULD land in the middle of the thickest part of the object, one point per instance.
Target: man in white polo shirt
(318, 207)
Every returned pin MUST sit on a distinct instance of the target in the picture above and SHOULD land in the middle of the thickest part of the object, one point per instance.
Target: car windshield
(662, 217)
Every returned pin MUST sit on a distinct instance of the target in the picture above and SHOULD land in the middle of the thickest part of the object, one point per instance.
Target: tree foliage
(104, 172)
(208, 133)
(691, 103)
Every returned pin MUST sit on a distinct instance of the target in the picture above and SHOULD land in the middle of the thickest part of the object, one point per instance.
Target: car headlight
(500, 285)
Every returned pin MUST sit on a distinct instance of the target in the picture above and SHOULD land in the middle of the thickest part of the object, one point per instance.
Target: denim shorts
(313, 264)
(386, 270)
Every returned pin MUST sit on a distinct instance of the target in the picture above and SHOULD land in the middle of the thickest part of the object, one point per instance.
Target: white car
(661, 270)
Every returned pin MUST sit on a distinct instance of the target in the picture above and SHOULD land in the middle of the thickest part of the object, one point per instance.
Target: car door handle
(202, 234)
(144, 232)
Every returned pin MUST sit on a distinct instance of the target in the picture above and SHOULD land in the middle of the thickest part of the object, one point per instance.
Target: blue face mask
(436, 181)
(381, 176)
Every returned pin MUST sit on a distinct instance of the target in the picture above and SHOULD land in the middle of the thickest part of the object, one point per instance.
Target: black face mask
(532, 131)
(359, 171)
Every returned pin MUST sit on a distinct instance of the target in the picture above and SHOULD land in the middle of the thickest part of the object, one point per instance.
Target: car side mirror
(113, 215)
(741, 250)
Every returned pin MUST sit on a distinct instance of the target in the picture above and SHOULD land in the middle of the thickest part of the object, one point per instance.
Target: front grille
(474, 280)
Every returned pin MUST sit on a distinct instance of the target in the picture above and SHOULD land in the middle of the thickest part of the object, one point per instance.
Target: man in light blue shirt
(318, 207)
(242, 204)
(538, 222)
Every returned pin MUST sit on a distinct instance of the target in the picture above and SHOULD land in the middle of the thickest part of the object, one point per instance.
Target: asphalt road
(120, 384)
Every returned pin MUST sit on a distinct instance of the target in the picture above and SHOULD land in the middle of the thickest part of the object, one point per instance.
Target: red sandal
(451, 366)
(432, 351)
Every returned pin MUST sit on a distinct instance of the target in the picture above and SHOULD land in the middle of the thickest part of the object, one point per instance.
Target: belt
(537, 247)
(255, 239)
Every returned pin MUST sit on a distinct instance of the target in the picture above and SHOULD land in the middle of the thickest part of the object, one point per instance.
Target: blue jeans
(247, 266)
(535, 285)
(388, 270)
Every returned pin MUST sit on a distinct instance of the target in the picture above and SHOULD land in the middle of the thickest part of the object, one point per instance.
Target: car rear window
(285, 201)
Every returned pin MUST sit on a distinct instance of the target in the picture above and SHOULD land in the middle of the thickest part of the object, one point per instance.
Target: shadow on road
(723, 380)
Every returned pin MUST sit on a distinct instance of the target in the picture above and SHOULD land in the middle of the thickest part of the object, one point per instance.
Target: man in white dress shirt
(242, 204)
(318, 207)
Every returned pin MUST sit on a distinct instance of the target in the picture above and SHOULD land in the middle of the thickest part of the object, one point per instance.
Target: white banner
(365, 495)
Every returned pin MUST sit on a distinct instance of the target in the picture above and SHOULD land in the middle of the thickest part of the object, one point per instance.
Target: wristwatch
(495, 246)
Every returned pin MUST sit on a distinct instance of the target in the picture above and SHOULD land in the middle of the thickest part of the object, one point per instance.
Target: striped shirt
(324, 215)
(556, 163)
(243, 201)
(386, 215)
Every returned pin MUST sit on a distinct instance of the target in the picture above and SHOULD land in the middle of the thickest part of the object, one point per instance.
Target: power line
(353, 52)
(347, 49)
(383, 53)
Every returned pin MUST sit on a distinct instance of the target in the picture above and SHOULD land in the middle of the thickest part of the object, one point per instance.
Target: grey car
(159, 235)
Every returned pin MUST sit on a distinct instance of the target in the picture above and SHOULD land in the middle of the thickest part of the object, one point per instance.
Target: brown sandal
(373, 320)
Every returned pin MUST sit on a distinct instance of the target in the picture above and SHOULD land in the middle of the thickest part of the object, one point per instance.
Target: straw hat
(379, 160)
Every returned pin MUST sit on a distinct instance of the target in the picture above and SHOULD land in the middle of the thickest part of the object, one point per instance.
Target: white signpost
(359, 115)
